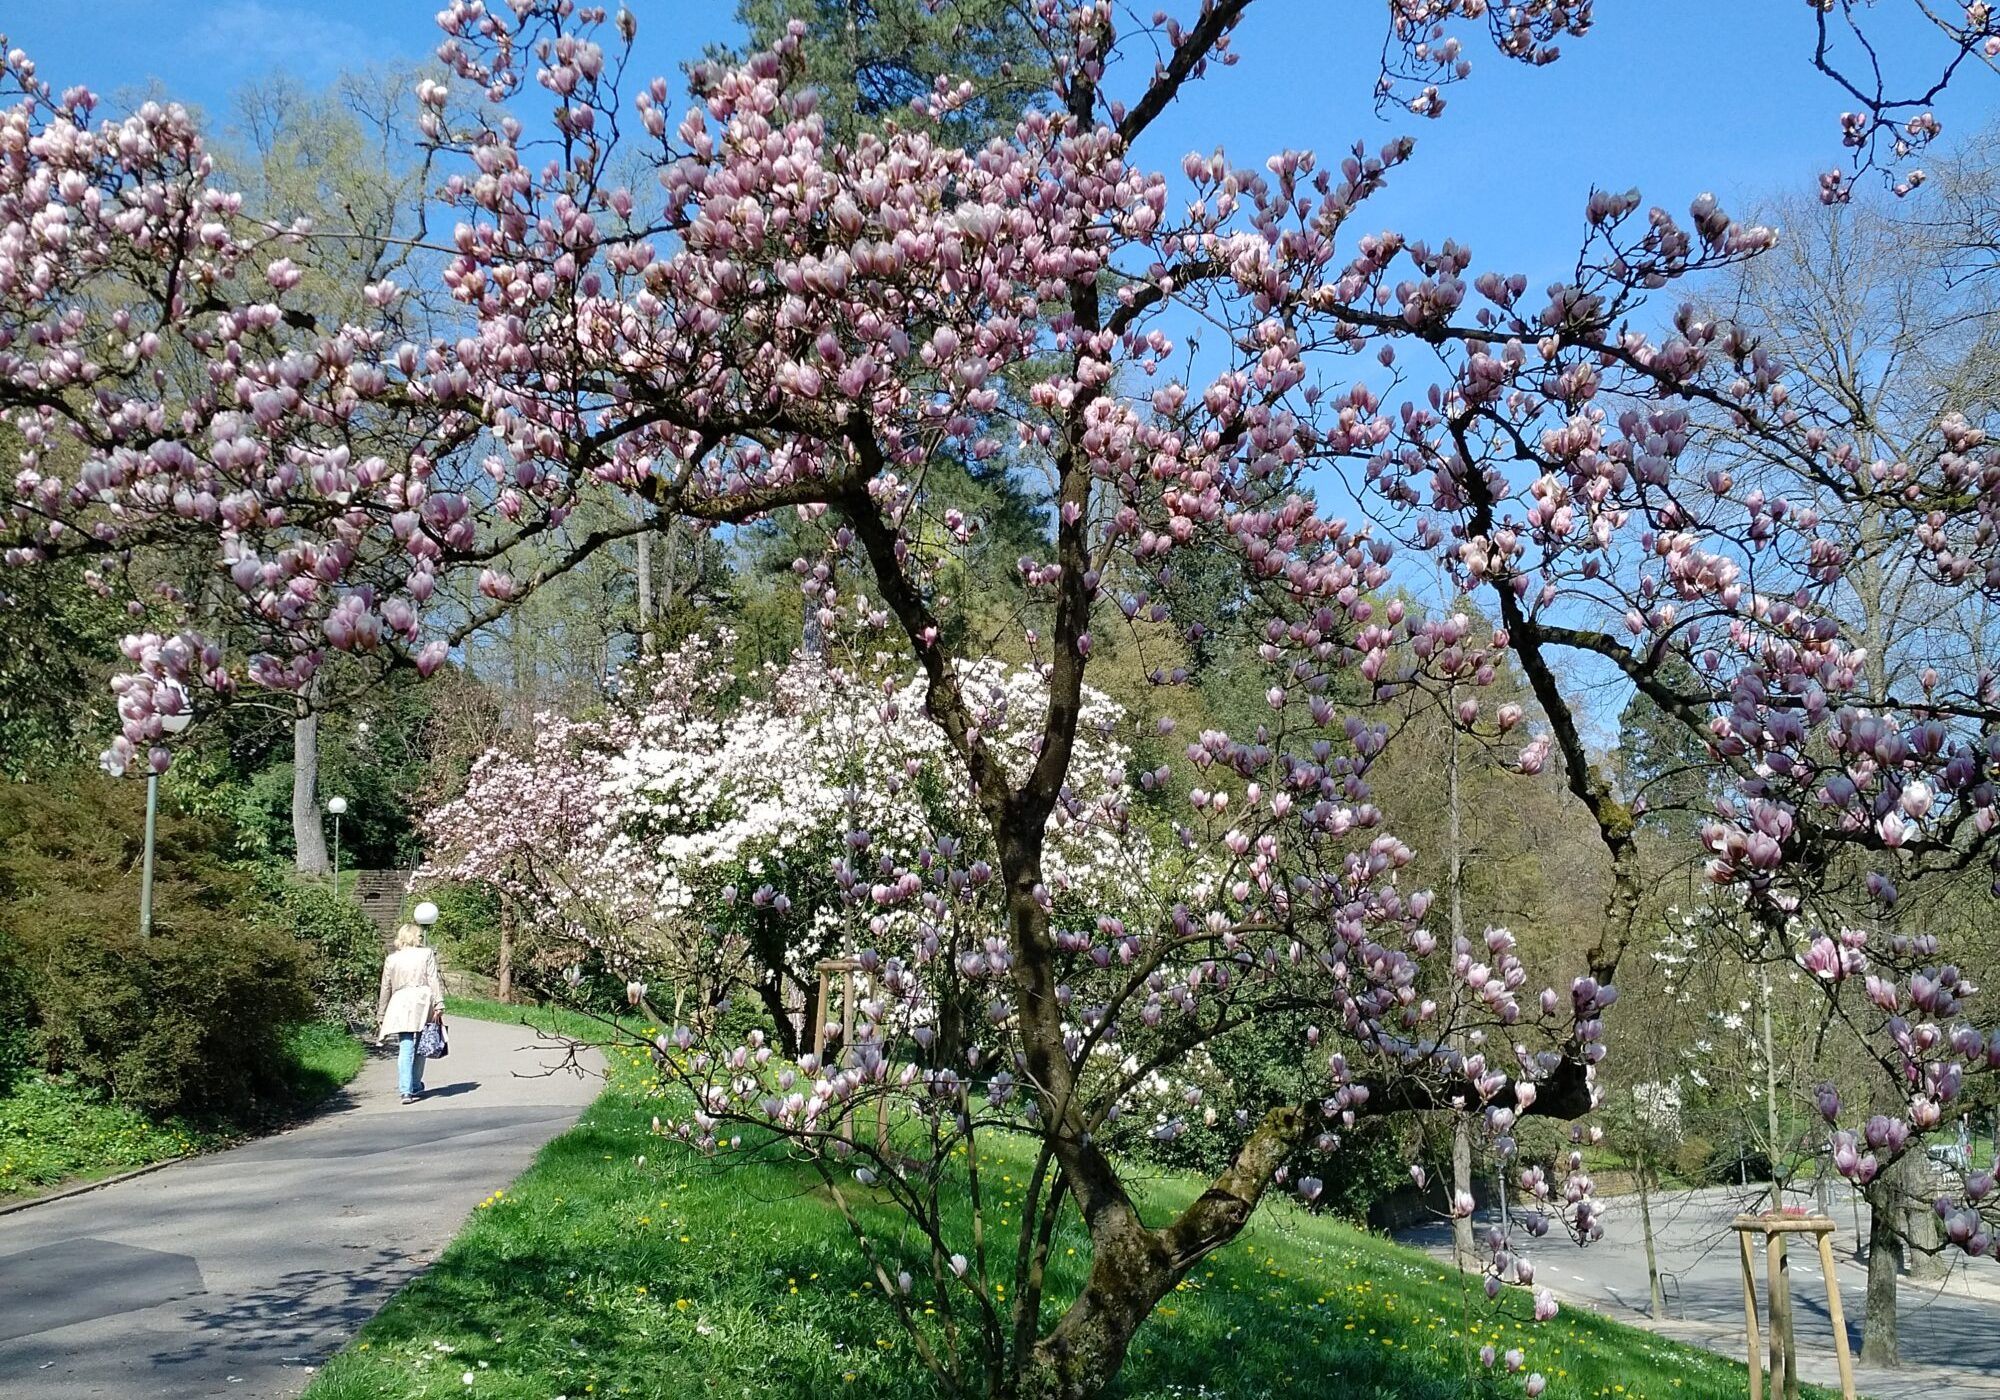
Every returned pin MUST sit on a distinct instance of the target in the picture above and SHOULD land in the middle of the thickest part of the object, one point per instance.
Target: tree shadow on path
(303, 1317)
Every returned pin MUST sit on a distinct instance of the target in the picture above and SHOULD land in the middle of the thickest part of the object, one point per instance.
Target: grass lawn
(54, 1131)
(620, 1265)
(544, 1018)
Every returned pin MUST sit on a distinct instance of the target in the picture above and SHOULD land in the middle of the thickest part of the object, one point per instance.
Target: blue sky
(1675, 98)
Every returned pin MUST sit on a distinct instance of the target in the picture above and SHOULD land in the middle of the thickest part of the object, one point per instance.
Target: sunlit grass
(555, 1020)
(623, 1265)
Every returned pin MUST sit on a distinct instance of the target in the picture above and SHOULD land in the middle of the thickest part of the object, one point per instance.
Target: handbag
(432, 1042)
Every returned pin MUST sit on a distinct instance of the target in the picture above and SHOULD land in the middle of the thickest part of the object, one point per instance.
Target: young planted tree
(778, 320)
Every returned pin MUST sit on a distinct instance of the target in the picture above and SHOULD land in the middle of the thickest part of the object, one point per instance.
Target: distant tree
(58, 648)
(344, 164)
(871, 59)
(1664, 769)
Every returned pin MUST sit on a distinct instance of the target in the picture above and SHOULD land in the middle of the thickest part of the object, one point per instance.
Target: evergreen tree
(1663, 765)
(870, 58)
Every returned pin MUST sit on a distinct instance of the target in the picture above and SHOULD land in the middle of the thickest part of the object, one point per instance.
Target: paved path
(239, 1273)
(1949, 1328)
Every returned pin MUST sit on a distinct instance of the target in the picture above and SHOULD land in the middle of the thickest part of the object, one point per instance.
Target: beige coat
(411, 991)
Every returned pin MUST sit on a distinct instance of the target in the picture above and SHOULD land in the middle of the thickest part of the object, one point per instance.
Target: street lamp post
(175, 723)
(337, 806)
(424, 915)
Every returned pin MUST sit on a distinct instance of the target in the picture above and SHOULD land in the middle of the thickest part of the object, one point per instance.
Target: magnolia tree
(769, 824)
(773, 321)
(537, 824)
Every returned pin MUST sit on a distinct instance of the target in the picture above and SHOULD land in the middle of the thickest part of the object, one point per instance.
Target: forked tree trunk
(1132, 1266)
(308, 833)
(1128, 1277)
(772, 994)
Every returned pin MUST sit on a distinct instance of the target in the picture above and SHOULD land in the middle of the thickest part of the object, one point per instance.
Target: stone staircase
(381, 895)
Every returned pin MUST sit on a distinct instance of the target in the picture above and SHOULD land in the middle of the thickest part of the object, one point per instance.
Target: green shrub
(193, 1019)
(17, 1017)
(71, 849)
(1692, 1159)
(262, 812)
(467, 933)
(344, 950)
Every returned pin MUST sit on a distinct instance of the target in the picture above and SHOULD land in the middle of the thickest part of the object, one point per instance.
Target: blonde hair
(409, 936)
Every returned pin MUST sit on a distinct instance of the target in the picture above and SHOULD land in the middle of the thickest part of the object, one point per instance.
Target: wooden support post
(1835, 1316)
(1756, 1349)
(819, 1022)
(852, 985)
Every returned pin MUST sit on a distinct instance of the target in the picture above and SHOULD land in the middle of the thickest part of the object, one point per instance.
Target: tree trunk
(1461, 1128)
(1923, 1240)
(646, 593)
(670, 574)
(1078, 1359)
(1461, 1180)
(772, 994)
(1784, 1346)
(1878, 1323)
(308, 831)
(504, 969)
(1659, 1300)
(767, 943)
(1772, 1149)
(1132, 1266)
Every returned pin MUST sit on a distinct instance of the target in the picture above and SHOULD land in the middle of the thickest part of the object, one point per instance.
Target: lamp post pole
(337, 806)
(172, 723)
(146, 869)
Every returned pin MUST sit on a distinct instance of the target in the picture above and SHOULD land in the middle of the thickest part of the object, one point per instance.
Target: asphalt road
(239, 1273)
(1949, 1329)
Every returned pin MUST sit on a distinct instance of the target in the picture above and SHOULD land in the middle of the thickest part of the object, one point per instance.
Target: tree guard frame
(847, 969)
(1784, 1349)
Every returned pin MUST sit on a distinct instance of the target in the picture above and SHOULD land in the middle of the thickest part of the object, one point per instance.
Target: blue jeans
(409, 1064)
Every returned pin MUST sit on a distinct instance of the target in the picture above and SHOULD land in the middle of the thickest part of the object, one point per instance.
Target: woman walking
(412, 997)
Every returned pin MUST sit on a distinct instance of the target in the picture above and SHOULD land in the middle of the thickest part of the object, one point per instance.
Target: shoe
(409, 1098)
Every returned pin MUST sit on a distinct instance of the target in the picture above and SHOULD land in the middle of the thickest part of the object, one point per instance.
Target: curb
(90, 1186)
